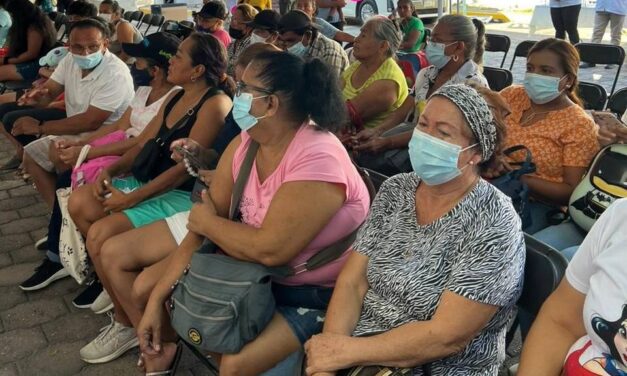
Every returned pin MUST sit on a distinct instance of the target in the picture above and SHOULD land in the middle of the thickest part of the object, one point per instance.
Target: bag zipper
(210, 300)
(220, 281)
(209, 318)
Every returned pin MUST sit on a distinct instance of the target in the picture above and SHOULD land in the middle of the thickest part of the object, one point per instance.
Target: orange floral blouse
(565, 138)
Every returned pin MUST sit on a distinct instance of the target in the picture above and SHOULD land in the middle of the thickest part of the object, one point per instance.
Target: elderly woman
(581, 328)
(456, 52)
(298, 157)
(437, 268)
(374, 86)
(240, 32)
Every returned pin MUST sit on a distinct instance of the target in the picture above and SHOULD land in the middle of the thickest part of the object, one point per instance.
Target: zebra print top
(476, 251)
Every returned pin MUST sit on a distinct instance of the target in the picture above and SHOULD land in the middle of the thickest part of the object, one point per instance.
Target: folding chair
(544, 269)
(146, 20)
(411, 58)
(594, 96)
(595, 53)
(498, 43)
(522, 49)
(157, 20)
(618, 102)
(498, 79)
(127, 15)
(137, 17)
(377, 178)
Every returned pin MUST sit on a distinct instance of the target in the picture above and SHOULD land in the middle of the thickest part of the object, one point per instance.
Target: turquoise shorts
(156, 208)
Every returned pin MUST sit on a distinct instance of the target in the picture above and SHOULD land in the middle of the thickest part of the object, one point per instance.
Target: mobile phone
(199, 186)
(193, 160)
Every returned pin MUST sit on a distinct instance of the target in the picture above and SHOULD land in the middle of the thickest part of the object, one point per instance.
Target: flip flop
(11, 164)
(173, 366)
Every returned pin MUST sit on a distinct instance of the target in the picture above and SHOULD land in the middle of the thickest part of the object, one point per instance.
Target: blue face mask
(241, 111)
(299, 49)
(435, 54)
(88, 62)
(434, 160)
(542, 89)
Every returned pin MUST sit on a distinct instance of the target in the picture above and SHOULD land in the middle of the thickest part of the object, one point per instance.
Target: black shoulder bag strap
(242, 179)
(191, 114)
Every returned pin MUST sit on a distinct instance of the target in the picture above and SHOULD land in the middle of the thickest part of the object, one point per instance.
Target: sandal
(173, 366)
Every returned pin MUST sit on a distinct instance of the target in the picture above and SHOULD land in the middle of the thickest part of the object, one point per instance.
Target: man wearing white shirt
(98, 89)
(610, 12)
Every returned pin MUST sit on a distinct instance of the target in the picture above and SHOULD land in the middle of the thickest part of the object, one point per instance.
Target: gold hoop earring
(455, 58)
(193, 79)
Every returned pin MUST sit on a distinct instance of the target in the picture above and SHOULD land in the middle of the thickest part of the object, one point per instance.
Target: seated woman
(412, 27)
(548, 119)
(581, 327)
(30, 37)
(437, 268)
(326, 29)
(298, 157)
(123, 31)
(124, 256)
(240, 32)
(114, 206)
(455, 51)
(374, 86)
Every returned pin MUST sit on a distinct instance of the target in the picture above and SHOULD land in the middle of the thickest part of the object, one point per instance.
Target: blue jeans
(562, 237)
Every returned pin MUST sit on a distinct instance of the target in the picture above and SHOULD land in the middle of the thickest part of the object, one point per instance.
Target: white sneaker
(114, 340)
(102, 303)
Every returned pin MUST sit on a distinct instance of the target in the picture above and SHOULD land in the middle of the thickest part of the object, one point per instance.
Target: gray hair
(467, 30)
(386, 31)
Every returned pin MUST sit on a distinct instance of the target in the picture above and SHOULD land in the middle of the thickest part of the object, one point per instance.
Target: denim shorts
(303, 307)
(28, 70)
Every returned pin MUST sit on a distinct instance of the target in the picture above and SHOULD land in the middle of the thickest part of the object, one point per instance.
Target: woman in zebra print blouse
(437, 268)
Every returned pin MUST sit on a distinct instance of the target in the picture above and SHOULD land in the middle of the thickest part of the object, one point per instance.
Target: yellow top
(389, 70)
(261, 4)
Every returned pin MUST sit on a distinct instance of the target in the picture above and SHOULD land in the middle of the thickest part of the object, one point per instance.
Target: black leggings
(565, 20)
(10, 112)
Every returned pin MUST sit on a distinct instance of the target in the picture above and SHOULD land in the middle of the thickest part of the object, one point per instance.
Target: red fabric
(573, 367)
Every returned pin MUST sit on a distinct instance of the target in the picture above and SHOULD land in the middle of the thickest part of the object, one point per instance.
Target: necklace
(529, 117)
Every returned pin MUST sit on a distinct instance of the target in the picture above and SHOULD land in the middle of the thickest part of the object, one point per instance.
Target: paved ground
(41, 332)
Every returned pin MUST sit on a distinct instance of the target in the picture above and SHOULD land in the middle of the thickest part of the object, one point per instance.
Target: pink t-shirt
(312, 155)
(223, 37)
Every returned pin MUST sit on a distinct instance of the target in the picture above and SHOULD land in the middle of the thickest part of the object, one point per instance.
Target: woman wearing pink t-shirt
(303, 194)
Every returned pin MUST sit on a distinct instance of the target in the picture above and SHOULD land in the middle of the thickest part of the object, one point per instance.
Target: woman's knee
(142, 288)
(110, 256)
(81, 203)
(98, 233)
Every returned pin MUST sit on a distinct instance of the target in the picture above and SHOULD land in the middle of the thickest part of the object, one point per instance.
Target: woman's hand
(373, 145)
(200, 212)
(326, 353)
(149, 328)
(118, 200)
(498, 168)
(612, 135)
(69, 155)
(63, 143)
(100, 185)
(190, 146)
(367, 134)
(206, 176)
(32, 97)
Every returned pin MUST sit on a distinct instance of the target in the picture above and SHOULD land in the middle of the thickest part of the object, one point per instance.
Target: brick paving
(41, 332)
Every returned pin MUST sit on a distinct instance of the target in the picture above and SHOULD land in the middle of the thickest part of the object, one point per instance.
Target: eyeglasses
(242, 87)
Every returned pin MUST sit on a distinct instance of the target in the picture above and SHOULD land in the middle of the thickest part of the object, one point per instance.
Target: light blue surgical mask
(299, 49)
(434, 160)
(435, 54)
(242, 104)
(88, 62)
(542, 89)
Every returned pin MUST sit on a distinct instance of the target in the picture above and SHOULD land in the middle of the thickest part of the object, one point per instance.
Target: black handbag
(149, 160)
(512, 185)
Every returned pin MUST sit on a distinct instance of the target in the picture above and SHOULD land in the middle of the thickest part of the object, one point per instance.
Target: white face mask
(105, 16)
(255, 38)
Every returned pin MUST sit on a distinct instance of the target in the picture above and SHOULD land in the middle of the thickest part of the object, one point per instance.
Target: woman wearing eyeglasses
(455, 51)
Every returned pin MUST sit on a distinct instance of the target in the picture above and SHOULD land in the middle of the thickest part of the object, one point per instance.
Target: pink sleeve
(327, 162)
